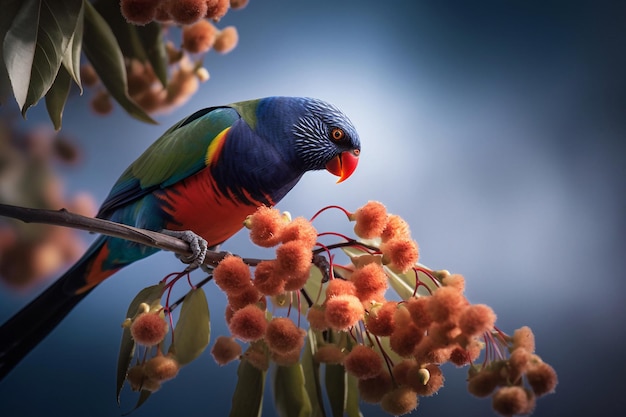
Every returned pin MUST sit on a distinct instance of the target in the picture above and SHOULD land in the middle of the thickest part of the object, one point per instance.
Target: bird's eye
(337, 134)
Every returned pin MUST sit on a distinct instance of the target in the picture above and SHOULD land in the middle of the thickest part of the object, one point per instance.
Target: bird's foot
(197, 244)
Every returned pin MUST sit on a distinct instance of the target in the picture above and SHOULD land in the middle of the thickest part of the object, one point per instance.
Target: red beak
(343, 165)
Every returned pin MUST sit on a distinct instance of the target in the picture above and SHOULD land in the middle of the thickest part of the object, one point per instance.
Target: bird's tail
(28, 327)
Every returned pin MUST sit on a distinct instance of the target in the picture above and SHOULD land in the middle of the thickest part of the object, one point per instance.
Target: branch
(106, 227)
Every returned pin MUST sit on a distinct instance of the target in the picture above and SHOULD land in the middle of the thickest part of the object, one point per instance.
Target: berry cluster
(199, 35)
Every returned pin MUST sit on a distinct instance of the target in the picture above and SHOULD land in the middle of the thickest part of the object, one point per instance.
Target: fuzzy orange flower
(293, 258)
(216, 9)
(395, 228)
(302, 230)
(186, 12)
(363, 362)
(380, 320)
(370, 219)
(476, 319)
(400, 254)
(225, 350)
(509, 401)
(370, 282)
(343, 311)
(161, 368)
(248, 324)
(316, 317)
(339, 286)
(199, 37)
(399, 401)
(267, 280)
(418, 309)
(524, 338)
(149, 329)
(266, 226)
(372, 390)
(226, 40)
(283, 336)
(232, 275)
(138, 12)
(446, 304)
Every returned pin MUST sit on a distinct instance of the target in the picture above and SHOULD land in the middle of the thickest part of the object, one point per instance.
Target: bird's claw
(197, 244)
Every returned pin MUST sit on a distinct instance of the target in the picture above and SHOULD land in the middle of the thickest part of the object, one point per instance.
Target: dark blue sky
(495, 128)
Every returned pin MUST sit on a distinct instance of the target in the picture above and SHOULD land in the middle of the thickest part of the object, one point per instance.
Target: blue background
(495, 128)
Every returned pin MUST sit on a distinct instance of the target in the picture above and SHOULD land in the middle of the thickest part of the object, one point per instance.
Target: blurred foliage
(132, 63)
(28, 161)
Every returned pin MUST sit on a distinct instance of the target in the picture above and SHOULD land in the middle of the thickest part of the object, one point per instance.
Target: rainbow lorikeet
(205, 174)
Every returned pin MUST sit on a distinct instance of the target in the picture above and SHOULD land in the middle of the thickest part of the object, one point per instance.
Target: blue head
(310, 134)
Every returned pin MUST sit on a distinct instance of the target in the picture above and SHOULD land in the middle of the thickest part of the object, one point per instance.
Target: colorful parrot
(205, 174)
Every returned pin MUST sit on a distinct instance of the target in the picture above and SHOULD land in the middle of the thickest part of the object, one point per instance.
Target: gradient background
(495, 128)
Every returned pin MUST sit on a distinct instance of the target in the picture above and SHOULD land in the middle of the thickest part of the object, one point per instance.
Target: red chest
(196, 204)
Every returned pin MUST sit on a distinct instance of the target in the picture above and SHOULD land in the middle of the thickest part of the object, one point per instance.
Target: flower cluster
(198, 34)
(148, 329)
(393, 347)
(275, 338)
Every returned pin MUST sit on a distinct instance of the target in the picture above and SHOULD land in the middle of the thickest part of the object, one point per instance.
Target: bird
(198, 181)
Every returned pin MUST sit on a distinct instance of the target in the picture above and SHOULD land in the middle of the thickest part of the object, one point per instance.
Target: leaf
(193, 329)
(400, 285)
(335, 379)
(127, 345)
(290, 396)
(10, 9)
(248, 396)
(144, 43)
(151, 38)
(18, 46)
(35, 44)
(352, 398)
(57, 96)
(313, 288)
(143, 397)
(71, 57)
(103, 51)
(311, 370)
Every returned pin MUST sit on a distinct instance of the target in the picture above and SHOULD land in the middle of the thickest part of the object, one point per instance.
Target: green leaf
(352, 398)
(127, 345)
(400, 284)
(313, 288)
(143, 397)
(103, 51)
(193, 329)
(71, 57)
(336, 391)
(10, 8)
(34, 46)
(18, 48)
(144, 43)
(290, 396)
(248, 397)
(311, 371)
(57, 96)
(151, 38)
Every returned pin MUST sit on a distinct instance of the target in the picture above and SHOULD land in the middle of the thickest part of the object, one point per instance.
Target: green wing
(179, 153)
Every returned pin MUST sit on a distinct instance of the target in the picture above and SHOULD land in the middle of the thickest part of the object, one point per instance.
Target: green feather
(247, 110)
(182, 150)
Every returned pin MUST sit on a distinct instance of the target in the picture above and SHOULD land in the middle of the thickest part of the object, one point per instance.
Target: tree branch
(106, 227)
